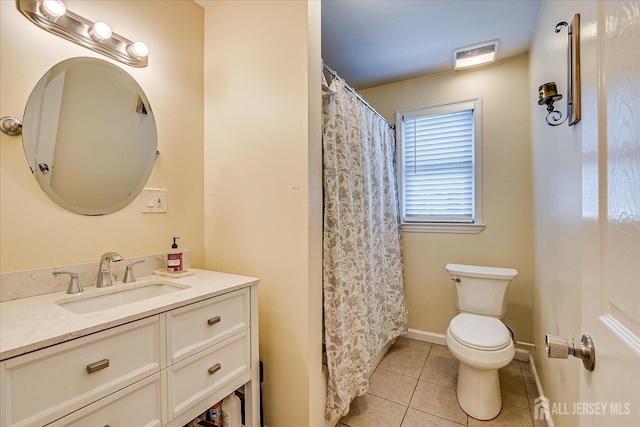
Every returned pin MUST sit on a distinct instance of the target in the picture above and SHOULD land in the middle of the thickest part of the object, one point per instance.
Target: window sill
(442, 228)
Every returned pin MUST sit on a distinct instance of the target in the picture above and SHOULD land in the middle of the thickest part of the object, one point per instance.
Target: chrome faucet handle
(74, 282)
(129, 277)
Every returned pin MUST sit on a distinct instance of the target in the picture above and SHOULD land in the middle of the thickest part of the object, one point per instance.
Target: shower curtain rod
(352, 90)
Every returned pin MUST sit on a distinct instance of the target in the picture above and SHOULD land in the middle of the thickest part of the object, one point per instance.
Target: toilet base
(479, 392)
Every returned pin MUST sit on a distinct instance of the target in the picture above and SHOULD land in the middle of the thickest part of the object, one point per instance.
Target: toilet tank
(481, 290)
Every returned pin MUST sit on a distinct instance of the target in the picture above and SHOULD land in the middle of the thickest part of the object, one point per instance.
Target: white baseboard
(434, 338)
(522, 355)
(534, 371)
(431, 337)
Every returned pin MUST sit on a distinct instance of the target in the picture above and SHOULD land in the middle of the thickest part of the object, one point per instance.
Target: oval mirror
(89, 136)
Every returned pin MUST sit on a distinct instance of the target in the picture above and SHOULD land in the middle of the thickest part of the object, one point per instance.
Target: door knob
(559, 348)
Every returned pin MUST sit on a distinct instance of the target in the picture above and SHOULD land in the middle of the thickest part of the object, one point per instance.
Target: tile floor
(415, 385)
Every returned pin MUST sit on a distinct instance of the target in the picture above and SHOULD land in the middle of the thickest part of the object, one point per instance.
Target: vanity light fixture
(53, 16)
(477, 54)
(548, 92)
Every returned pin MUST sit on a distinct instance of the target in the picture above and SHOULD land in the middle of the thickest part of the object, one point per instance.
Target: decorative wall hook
(11, 125)
(548, 92)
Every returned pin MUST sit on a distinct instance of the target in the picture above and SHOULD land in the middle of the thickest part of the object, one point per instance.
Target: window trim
(444, 227)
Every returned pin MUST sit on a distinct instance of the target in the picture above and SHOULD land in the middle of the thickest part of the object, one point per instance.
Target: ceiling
(373, 42)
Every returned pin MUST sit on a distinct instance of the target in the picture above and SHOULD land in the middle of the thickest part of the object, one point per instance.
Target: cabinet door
(209, 375)
(45, 385)
(139, 404)
(193, 328)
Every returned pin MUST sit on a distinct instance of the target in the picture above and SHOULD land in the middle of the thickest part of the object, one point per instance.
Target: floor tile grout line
(414, 389)
(406, 409)
(384, 398)
(435, 415)
(408, 353)
(394, 372)
(397, 403)
(438, 384)
(441, 417)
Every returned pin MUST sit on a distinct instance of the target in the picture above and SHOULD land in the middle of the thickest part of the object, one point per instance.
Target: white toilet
(477, 338)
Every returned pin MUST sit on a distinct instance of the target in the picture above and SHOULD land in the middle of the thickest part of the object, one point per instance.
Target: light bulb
(139, 50)
(53, 9)
(100, 31)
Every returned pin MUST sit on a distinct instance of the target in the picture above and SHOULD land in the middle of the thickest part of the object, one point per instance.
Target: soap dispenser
(174, 258)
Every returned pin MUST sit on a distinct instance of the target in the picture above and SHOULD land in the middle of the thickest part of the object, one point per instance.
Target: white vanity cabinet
(45, 385)
(160, 370)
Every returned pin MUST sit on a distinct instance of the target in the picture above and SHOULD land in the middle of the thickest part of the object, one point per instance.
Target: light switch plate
(154, 200)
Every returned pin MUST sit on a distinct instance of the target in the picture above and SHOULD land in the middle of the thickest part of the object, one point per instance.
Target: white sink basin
(115, 296)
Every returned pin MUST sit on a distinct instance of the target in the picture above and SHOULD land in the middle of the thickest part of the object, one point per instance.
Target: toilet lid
(479, 332)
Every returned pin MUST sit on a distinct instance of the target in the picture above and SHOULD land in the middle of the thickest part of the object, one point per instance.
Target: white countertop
(32, 323)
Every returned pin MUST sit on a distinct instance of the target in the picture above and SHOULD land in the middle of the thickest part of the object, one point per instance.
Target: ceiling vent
(477, 54)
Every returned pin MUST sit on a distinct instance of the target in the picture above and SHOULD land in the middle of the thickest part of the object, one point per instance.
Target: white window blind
(437, 164)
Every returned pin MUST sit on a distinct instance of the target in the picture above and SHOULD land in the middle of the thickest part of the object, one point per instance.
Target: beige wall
(263, 184)
(557, 199)
(35, 232)
(506, 241)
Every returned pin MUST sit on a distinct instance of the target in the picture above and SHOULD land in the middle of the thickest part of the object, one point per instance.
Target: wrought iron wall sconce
(53, 16)
(548, 92)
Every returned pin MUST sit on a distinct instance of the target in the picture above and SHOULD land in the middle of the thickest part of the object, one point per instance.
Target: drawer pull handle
(214, 320)
(215, 368)
(97, 366)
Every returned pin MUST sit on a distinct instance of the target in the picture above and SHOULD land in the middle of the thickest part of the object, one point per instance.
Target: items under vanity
(159, 360)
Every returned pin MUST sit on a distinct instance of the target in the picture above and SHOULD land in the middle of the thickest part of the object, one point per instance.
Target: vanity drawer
(193, 328)
(219, 369)
(45, 385)
(139, 404)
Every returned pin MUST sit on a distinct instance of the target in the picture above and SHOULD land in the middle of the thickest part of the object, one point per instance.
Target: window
(440, 168)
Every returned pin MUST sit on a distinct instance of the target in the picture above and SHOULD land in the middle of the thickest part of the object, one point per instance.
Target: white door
(610, 395)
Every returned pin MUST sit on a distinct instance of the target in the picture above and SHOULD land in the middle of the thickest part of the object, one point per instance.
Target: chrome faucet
(104, 273)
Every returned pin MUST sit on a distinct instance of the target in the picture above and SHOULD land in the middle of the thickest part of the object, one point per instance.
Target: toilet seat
(479, 332)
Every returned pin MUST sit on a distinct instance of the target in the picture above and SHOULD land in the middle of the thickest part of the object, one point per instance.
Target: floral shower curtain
(364, 304)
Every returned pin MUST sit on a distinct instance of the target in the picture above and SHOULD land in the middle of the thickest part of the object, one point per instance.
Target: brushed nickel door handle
(559, 348)
(97, 366)
(214, 320)
(215, 368)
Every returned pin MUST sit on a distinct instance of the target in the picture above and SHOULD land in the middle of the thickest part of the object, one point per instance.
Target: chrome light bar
(53, 16)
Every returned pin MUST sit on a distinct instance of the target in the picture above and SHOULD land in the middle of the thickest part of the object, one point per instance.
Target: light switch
(154, 200)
